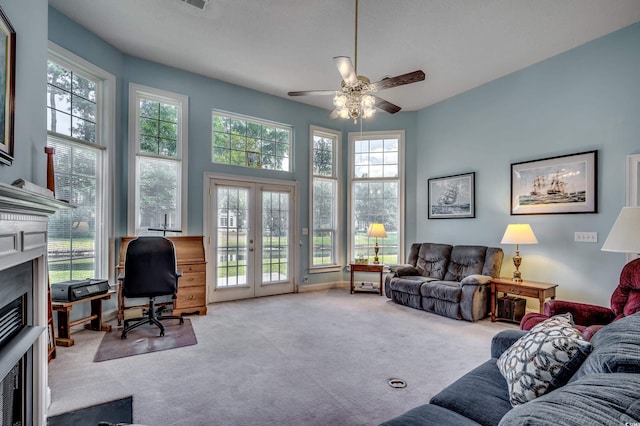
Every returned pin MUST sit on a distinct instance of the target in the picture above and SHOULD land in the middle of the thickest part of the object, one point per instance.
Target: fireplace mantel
(24, 217)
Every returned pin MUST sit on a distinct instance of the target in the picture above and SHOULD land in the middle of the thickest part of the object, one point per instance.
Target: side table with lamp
(375, 230)
(519, 234)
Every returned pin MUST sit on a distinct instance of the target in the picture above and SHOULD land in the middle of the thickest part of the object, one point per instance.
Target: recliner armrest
(582, 313)
(503, 341)
(404, 270)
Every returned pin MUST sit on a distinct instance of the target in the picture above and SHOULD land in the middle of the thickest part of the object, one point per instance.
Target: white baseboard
(322, 286)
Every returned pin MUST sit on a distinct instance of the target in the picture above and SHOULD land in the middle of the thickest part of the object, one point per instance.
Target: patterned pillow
(543, 359)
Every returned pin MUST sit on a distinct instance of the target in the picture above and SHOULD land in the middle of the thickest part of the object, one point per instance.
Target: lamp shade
(376, 230)
(519, 233)
(624, 237)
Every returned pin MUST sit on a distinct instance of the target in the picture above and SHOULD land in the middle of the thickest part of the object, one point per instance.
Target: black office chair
(149, 271)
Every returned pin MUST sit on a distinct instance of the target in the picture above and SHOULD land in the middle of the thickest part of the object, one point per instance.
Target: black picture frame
(7, 90)
(563, 184)
(452, 197)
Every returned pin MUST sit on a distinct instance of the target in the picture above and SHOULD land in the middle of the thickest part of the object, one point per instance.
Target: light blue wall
(581, 100)
(585, 99)
(29, 19)
(204, 95)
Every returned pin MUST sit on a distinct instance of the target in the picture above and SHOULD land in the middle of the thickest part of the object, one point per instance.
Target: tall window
(80, 102)
(249, 142)
(158, 131)
(324, 197)
(376, 184)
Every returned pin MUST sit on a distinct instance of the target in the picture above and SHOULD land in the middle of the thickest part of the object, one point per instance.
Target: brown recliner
(625, 301)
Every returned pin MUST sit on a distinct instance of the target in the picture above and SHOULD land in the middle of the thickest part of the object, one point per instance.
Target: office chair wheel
(161, 333)
(124, 336)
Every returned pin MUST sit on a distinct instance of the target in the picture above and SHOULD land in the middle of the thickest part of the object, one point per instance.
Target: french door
(251, 232)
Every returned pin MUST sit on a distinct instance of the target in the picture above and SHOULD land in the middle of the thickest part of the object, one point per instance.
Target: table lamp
(518, 233)
(376, 230)
(624, 236)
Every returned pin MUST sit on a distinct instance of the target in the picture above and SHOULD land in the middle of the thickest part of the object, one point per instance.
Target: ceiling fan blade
(312, 92)
(386, 106)
(334, 114)
(346, 70)
(400, 80)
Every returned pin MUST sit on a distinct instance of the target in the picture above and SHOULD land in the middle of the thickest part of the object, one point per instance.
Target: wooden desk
(192, 286)
(538, 290)
(64, 314)
(366, 267)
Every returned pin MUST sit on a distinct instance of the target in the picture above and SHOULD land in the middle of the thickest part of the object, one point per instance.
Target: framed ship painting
(564, 184)
(452, 197)
(7, 87)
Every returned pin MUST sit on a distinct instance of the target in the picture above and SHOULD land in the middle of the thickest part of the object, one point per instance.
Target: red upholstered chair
(625, 301)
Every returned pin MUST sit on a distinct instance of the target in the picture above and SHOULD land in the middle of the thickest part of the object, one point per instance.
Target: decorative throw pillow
(543, 359)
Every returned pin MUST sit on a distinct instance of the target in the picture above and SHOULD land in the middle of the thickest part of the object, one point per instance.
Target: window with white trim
(250, 142)
(158, 122)
(325, 146)
(376, 193)
(80, 129)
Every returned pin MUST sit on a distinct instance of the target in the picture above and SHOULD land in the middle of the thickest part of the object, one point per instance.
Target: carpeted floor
(317, 358)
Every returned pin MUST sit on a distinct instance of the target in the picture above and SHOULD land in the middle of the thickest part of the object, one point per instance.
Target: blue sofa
(604, 390)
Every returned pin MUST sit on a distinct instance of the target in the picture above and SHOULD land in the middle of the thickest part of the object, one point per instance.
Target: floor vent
(397, 383)
(200, 4)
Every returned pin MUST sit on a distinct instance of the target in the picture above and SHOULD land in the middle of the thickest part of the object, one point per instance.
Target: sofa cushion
(443, 290)
(428, 414)
(616, 348)
(409, 284)
(465, 261)
(480, 395)
(597, 399)
(433, 259)
(543, 359)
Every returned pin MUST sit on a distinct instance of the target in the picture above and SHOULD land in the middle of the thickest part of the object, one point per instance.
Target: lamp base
(517, 277)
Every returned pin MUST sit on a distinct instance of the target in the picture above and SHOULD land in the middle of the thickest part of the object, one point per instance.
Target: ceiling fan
(356, 98)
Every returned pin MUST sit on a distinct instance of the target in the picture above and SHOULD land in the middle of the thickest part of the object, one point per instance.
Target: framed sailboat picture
(555, 185)
(452, 197)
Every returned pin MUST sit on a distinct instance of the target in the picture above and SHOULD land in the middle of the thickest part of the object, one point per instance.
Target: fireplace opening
(17, 337)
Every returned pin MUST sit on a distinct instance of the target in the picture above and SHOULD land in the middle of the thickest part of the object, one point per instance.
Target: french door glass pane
(72, 232)
(232, 246)
(275, 237)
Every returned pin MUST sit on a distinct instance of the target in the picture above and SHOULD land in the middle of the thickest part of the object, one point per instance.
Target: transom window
(249, 142)
(71, 102)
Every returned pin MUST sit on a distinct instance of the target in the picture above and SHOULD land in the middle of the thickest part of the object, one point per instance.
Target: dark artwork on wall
(7, 87)
(563, 184)
(452, 197)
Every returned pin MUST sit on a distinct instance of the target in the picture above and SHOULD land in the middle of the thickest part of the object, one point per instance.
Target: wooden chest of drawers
(192, 286)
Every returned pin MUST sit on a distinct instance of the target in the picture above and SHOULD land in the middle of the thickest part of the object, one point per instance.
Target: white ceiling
(276, 46)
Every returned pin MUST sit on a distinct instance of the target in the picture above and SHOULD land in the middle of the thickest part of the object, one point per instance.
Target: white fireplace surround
(23, 238)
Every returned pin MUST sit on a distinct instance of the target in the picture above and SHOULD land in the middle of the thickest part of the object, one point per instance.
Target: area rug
(117, 411)
(145, 339)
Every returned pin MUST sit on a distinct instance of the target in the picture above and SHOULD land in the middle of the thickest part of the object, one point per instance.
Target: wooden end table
(367, 267)
(534, 289)
(64, 313)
